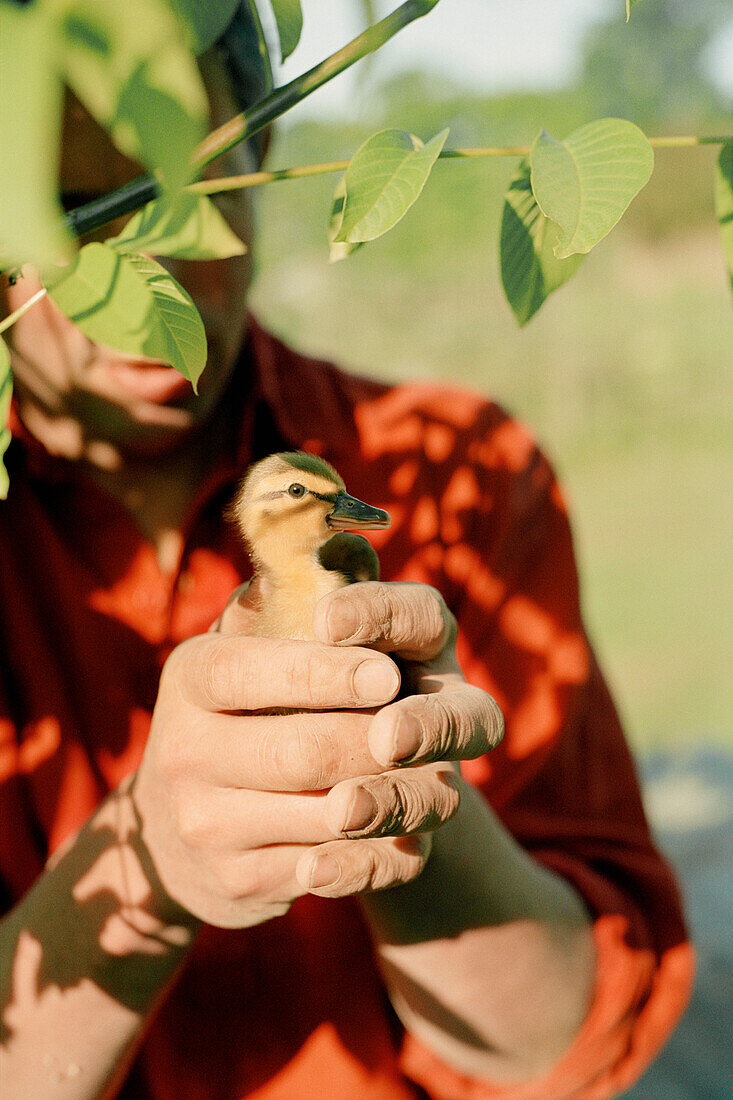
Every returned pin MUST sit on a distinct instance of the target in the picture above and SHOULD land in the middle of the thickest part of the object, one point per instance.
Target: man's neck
(157, 487)
(158, 493)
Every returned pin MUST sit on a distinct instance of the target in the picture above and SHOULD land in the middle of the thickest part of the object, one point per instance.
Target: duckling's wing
(350, 555)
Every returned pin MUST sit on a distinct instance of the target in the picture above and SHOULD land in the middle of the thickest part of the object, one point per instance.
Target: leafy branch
(245, 125)
(222, 184)
(133, 68)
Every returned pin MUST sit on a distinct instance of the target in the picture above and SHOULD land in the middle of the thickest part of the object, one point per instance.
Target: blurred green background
(624, 375)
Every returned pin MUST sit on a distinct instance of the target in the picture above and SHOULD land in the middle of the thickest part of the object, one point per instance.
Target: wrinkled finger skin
(440, 716)
(439, 719)
(244, 810)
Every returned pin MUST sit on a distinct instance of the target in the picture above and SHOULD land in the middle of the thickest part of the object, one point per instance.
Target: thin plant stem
(301, 171)
(18, 313)
(133, 195)
(244, 125)
(687, 140)
(256, 179)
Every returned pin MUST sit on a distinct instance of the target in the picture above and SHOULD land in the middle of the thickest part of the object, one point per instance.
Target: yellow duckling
(296, 519)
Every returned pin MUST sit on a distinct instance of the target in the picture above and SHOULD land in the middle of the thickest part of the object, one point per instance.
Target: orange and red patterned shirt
(295, 1007)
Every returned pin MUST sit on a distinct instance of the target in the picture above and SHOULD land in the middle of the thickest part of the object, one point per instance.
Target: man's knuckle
(251, 879)
(405, 808)
(232, 670)
(423, 800)
(289, 661)
(412, 805)
(465, 721)
(422, 620)
(216, 675)
(486, 727)
(274, 757)
(303, 758)
(394, 866)
(179, 798)
(195, 826)
(250, 875)
(424, 807)
(234, 880)
(449, 795)
(377, 612)
(440, 623)
(495, 721)
(309, 758)
(174, 760)
(369, 870)
(313, 670)
(443, 727)
(436, 607)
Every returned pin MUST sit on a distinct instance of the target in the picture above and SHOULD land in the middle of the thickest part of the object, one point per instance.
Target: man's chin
(139, 428)
(147, 382)
(145, 408)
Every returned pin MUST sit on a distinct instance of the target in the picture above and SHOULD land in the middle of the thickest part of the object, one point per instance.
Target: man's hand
(487, 956)
(440, 717)
(245, 810)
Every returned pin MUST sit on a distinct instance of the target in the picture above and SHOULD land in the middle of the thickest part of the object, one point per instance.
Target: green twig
(134, 195)
(18, 313)
(301, 171)
(243, 126)
(256, 179)
(687, 140)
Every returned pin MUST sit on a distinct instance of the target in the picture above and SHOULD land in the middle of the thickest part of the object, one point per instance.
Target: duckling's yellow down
(298, 522)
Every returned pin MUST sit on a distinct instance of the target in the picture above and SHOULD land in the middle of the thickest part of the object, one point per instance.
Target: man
(219, 925)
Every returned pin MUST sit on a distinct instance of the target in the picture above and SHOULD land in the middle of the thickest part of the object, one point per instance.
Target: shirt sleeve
(563, 780)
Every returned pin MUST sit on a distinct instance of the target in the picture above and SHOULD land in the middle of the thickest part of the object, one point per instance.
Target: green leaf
(206, 22)
(585, 183)
(629, 5)
(188, 226)
(262, 47)
(724, 203)
(31, 224)
(530, 272)
(339, 250)
(383, 180)
(289, 19)
(131, 66)
(131, 303)
(6, 392)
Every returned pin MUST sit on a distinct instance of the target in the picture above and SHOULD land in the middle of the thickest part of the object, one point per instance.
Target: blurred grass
(624, 375)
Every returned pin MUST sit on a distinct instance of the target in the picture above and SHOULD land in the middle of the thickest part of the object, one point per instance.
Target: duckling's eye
(297, 490)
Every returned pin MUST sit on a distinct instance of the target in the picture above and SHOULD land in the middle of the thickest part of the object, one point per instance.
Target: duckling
(297, 521)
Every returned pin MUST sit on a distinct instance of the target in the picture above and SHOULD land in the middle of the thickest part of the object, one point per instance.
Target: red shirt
(295, 1006)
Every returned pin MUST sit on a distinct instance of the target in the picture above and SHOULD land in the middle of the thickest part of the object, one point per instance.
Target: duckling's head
(290, 504)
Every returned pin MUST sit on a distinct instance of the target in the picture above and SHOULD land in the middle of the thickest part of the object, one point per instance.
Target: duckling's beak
(350, 514)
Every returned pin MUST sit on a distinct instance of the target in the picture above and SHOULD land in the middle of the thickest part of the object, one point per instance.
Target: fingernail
(376, 681)
(325, 872)
(362, 811)
(343, 620)
(407, 738)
